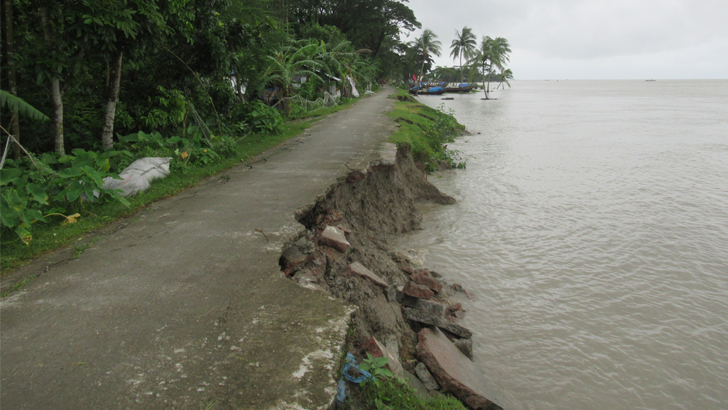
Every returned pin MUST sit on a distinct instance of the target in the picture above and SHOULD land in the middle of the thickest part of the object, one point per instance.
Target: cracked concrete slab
(183, 306)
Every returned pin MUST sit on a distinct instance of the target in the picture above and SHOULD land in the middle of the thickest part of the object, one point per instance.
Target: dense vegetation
(93, 85)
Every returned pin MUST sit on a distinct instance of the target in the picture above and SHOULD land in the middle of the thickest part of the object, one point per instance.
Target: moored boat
(460, 88)
(427, 91)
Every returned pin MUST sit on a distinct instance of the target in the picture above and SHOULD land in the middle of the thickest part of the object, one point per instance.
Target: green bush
(37, 188)
(256, 117)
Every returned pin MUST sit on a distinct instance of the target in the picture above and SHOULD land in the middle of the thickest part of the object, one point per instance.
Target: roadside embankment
(405, 312)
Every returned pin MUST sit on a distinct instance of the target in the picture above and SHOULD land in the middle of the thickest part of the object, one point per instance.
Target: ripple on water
(592, 226)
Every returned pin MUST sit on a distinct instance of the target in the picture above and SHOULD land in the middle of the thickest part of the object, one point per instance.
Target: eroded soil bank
(345, 251)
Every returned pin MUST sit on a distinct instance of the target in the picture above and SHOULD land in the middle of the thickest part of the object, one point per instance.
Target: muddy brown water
(592, 227)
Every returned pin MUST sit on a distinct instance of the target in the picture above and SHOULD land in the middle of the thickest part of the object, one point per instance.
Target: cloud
(590, 33)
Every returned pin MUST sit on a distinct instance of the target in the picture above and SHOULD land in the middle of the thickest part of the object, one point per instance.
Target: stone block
(430, 306)
(455, 372)
(426, 378)
(362, 271)
(417, 291)
(465, 346)
(427, 280)
(335, 238)
(292, 259)
(400, 293)
(429, 319)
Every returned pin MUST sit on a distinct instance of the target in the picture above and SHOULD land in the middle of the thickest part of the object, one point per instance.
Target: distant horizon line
(619, 79)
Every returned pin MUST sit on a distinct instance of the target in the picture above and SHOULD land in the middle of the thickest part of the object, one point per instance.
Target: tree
(492, 53)
(505, 75)
(12, 80)
(463, 46)
(427, 44)
(296, 59)
(114, 27)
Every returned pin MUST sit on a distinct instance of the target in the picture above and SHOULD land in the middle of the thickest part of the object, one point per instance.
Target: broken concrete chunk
(455, 372)
(429, 319)
(335, 238)
(417, 291)
(361, 270)
(426, 378)
(307, 279)
(305, 246)
(391, 294)
(455, 312)
(459, 288)
(292, 259)
(416, 384)
(430, 306)
(427, 280)
(465, 346)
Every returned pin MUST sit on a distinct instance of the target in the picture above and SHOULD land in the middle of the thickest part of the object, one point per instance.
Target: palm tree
(463, 45)
(505, 75)
(493, 52)
(501, 49)
(482, 58)
(427, 44)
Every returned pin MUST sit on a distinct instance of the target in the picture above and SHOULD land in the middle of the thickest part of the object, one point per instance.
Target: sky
(591, 39)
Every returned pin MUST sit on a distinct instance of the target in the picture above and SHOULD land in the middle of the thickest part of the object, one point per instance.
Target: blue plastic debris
(351, 362)
(341, 391)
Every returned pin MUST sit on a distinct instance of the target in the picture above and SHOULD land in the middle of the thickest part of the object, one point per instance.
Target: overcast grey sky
(592, 39)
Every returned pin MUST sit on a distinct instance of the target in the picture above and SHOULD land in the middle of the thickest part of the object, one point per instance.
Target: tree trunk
(484, 91)
(56, 94)
(107, 136)
(461, 67)
(12, 82)
(422, 71)
(57, 114)
(489, 71)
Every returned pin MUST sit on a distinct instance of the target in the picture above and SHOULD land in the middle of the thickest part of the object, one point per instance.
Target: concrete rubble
(455, 372)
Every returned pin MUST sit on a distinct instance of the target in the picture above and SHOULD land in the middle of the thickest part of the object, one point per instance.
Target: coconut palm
(426, 44)
(492, 53)
(483, 59)
(505, 75)
(463, 46)
(501, 50)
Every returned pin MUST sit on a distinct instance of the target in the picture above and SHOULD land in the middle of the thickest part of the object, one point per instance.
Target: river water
(592, 228)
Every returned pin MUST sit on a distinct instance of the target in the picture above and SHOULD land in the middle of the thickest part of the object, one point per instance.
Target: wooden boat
(461, 88)
(428, 91)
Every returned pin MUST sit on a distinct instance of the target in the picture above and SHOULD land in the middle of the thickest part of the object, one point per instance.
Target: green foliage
(395, 394)
(256, 117)
(33, 190)
(427, 131)
(377, 367)
(14, 103)
(51, 235)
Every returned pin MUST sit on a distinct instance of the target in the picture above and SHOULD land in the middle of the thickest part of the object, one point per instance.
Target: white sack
(137, 176)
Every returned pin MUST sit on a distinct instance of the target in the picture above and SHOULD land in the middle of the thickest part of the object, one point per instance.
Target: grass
(54, 235)
(396, 394)
(426, 130)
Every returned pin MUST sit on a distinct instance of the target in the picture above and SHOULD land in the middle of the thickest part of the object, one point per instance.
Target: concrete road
(183, 306)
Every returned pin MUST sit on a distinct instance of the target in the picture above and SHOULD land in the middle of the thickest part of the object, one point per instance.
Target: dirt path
(185, 307)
